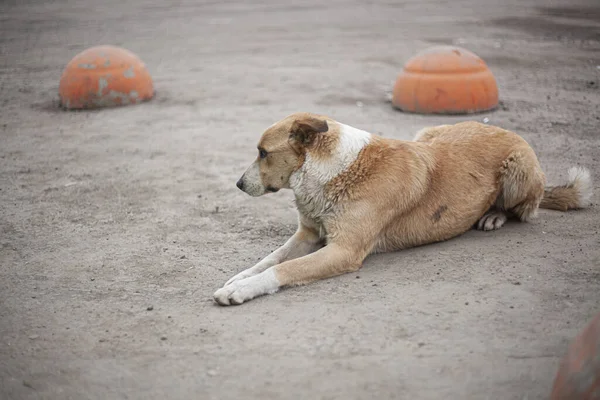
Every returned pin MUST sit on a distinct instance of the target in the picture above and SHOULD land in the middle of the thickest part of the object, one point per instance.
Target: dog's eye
(262, 153)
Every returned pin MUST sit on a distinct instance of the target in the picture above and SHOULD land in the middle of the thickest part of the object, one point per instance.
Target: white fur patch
(309, 181)
(580, 178)
(352, 141)
(246, 289)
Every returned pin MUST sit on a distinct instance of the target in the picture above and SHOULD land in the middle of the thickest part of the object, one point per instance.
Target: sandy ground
(106, 214)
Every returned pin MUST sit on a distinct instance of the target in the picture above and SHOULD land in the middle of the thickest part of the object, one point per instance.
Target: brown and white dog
(359, 193)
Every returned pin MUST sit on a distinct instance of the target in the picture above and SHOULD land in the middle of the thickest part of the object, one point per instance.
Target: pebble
(32, 337)
(211, 372)
(163, 338)
(150, 308)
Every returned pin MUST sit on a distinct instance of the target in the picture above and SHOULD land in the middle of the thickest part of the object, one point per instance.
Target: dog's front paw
(243, 290)
(242, 275)
(230, 295)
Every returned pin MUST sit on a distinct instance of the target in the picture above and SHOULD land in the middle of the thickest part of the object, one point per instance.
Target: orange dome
(579, 374)
(445, 80)
(104, 76)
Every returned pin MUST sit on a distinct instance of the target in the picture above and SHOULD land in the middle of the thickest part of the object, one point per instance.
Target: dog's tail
(575, 194)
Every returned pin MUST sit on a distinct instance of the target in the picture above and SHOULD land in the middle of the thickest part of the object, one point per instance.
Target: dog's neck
(311, 179)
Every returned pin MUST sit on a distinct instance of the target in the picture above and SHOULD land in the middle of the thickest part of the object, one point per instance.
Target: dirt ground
(117, 226)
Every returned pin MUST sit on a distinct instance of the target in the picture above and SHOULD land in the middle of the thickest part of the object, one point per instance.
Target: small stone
(211, 372)
(182, 257)
(163, 338)
(357, 277)
(486, 120)
(466, 303)
(421, 344)
(33, 337)
(511, 307)
(149, 308)
(517, 283)
(102, 340)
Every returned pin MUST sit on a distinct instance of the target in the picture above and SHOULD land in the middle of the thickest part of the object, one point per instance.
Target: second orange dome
(445, 80)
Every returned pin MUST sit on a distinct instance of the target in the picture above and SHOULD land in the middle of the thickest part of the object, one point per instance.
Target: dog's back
(465, 182)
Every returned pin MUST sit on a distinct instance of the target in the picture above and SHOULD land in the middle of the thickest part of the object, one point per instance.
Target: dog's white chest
(311, 201)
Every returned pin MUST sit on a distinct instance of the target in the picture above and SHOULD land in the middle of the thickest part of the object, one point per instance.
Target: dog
(358, 193)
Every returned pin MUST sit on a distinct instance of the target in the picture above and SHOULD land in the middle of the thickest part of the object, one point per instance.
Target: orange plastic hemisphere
(445, 80)
(104, 76)
(579, 374)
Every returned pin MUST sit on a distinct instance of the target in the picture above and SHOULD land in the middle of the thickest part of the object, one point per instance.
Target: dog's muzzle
(251, 182)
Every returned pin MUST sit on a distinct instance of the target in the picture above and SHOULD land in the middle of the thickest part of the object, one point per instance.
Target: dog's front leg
(303, 242)
(329, 261)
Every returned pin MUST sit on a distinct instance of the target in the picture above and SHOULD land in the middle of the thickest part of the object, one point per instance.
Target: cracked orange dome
(104, 76)
(445, 80)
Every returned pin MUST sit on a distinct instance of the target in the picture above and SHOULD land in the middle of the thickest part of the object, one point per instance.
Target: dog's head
(282, 150)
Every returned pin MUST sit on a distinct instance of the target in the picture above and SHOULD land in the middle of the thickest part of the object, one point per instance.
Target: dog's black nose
(240, 184)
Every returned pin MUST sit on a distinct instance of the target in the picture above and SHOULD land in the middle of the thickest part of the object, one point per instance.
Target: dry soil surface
(117, 226)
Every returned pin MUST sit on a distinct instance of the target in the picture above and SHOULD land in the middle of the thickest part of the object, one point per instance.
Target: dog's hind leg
(521, 184)
(492, 220)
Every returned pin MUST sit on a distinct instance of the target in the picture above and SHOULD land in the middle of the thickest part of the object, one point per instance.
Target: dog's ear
(305, 130)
